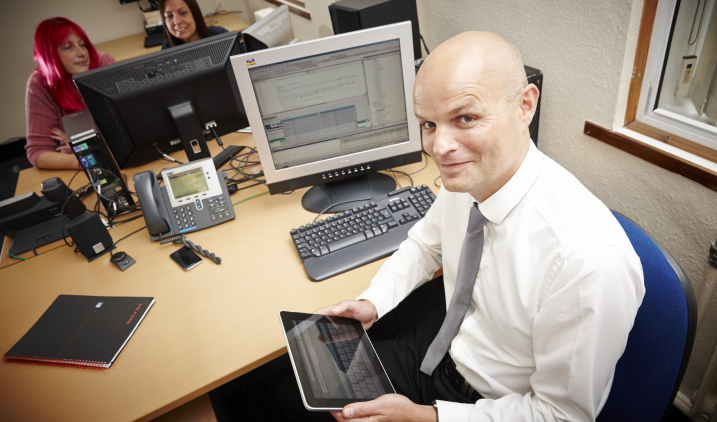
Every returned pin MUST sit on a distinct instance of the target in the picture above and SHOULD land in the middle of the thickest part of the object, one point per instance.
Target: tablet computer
(333, 360)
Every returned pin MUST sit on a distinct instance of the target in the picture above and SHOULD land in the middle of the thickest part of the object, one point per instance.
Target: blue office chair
(650, 371)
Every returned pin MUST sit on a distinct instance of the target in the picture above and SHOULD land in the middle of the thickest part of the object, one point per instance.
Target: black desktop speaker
(352, 15)
(90, 234)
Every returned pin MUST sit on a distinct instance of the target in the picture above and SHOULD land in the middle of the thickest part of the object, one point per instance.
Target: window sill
(295, 6)
(692, 161)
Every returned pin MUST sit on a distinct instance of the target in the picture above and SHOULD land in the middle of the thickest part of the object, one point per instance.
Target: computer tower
(535, 77)
(352, 15)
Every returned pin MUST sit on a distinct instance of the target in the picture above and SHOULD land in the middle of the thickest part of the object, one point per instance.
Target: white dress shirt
(554, 300)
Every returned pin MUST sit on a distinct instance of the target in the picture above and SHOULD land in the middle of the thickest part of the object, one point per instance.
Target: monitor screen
(333, 108)
(333, 104)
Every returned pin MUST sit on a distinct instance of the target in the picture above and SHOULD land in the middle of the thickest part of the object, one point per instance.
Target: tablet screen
(334, 360)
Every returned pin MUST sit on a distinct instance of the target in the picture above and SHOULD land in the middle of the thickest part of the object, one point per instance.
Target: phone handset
(150, 198)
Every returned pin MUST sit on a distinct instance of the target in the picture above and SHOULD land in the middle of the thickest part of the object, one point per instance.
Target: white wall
(102, 20)
(586, 51)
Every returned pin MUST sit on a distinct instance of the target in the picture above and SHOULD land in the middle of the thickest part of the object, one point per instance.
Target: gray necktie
(468, 265)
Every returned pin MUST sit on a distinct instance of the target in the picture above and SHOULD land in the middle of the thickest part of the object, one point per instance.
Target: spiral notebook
(81, 331)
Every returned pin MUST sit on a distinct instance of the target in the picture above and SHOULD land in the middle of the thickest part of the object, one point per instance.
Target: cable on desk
(16, 257)
(182, 239)
(436, 180)
(249, 197)
(136, 231)
(403, 173)
(424, 166)
(165, 156)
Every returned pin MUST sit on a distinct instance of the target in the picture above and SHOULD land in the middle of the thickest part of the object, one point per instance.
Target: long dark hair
(198, 22)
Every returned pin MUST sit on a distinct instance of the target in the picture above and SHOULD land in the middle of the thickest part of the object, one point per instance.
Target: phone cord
(179, 240)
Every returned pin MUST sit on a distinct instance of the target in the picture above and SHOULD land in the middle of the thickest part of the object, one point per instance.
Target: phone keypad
(218, 207)
(184, 217)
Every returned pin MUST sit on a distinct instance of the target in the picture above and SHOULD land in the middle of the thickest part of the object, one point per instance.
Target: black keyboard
(154, 40)
(361, 235)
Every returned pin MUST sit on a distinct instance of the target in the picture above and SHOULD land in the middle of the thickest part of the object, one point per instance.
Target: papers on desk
(81, 331)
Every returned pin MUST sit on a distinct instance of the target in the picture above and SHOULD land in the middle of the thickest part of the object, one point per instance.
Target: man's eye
(466, 119)
(427, 125)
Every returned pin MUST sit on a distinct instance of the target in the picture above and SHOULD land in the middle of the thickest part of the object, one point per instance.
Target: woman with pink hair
(62, 49)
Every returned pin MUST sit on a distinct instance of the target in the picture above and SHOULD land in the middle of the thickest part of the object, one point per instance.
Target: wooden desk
(208, 326)
(133, 46)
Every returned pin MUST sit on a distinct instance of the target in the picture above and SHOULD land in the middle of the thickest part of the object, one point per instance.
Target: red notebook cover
(81, 331)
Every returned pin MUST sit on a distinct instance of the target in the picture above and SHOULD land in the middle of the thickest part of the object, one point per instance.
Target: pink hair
(49, 35)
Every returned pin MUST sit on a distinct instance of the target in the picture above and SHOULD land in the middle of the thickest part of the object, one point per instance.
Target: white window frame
(667, 121)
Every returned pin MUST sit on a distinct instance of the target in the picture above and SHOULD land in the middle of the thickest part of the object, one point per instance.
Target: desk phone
(194, 197)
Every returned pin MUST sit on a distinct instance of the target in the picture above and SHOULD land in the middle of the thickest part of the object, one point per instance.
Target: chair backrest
(649, 373)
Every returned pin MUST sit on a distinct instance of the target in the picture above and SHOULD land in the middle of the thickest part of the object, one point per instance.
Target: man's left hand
(387, 408)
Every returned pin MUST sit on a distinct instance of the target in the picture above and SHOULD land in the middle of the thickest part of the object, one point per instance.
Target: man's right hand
(361, 310)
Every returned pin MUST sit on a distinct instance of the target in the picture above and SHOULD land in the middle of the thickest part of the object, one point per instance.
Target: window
(679, 90)
(672, 109)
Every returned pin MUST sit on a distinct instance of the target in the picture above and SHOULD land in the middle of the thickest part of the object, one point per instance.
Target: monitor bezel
(240, 64)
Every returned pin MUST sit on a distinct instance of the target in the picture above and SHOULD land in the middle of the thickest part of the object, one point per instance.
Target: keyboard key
(346, 242)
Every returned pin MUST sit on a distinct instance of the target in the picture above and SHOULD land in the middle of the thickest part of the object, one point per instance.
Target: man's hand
(361, 310)
(387, 408)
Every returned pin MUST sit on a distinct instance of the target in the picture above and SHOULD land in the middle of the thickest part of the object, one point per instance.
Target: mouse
(122, 260)
(118, 257)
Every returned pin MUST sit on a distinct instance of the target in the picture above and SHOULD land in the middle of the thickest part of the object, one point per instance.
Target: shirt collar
(498, 205)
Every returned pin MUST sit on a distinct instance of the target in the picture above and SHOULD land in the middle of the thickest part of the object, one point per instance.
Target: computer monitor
(170, 98)
(331, 112)
(271, 31)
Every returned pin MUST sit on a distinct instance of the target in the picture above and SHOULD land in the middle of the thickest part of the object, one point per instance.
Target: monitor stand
(187, 124)
(321, 196)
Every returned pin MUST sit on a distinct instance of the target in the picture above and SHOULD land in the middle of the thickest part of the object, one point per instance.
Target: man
(553, 284)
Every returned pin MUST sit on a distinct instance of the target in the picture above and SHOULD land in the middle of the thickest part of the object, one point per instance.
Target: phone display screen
(186, 183)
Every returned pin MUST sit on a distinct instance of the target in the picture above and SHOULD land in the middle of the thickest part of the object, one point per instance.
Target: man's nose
(444, 140)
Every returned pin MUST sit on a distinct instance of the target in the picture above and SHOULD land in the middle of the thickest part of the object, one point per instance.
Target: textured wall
(102, 21)
(586, 50)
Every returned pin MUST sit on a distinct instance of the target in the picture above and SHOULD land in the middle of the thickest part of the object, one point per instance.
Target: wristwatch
(435, 406)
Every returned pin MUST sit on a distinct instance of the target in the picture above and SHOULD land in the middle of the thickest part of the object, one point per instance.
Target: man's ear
(528, 102)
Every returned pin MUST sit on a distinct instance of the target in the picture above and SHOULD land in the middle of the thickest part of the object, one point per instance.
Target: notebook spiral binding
(55, 362)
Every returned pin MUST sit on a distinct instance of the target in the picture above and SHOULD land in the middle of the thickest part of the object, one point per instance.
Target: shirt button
(464, 340)
(490, 232)
(478, 312)
(478, 275)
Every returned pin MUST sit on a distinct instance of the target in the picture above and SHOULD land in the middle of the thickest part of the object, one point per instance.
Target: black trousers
(401, 357)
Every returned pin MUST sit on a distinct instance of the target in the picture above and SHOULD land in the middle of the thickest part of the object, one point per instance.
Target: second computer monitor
(166, 101)
(331, 112)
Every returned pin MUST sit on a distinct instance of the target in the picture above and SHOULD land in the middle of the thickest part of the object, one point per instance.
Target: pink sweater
(42, 113)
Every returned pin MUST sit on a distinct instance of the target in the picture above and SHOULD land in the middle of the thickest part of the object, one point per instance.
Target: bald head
(480, 54)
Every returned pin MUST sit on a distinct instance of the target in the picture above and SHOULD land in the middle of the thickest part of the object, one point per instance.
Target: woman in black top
(183, 22)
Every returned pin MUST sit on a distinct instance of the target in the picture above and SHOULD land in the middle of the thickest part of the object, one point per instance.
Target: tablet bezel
(316, 404)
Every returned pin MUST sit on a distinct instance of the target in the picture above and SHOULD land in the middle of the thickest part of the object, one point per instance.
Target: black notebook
(81, 331)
